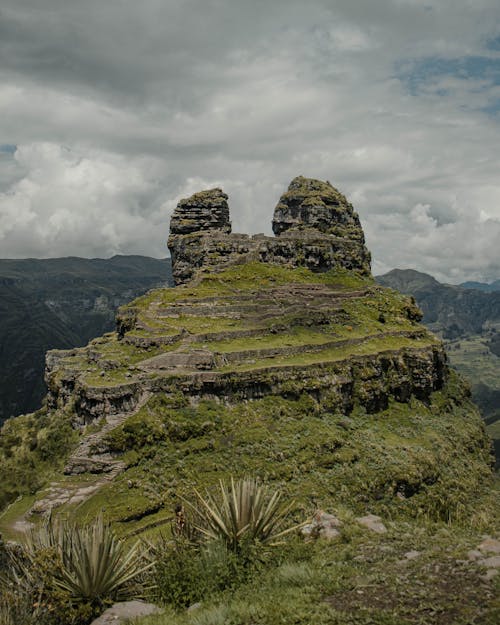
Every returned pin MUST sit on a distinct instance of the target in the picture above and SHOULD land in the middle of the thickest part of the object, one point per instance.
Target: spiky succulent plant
(244, 509)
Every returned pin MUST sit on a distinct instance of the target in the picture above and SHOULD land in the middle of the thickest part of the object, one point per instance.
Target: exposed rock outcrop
(313, 204)
(205, 210)
(315, 227)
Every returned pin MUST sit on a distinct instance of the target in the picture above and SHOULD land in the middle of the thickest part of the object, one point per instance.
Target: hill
(60, 303)
(279, 358)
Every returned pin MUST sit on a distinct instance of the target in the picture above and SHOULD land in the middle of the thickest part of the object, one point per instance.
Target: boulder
(373, 523)
(323, 525)
(121, 612)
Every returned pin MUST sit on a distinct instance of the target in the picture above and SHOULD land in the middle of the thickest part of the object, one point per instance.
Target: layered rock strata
(314, 224)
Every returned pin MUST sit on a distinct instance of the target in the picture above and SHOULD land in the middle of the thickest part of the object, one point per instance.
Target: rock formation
(314, 224)
(271, 359)
(316, 205)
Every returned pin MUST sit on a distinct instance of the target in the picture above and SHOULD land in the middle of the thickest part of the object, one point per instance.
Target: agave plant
(93, 563)
(243, 510)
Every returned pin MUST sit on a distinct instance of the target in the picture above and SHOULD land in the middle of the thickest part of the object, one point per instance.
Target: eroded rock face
(314, 204)
(206, 210)
(315, 227)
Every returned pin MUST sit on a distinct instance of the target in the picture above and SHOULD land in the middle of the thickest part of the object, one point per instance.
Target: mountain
(469, 320)
(482, 286)
(60, 303)
(278, 358)
(451, 311)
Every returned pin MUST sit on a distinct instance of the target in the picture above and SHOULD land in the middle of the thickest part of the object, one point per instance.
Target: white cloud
(67, 201)
(119, 109)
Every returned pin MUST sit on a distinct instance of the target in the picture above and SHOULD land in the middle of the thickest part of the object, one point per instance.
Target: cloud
(118, 109)
(101, 199)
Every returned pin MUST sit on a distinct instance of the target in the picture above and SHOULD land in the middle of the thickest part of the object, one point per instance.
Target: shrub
(185, 573)
(245, 511)
(72, 572)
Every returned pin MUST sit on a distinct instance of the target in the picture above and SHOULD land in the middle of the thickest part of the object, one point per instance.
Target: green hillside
(277, 359)
(469, 320)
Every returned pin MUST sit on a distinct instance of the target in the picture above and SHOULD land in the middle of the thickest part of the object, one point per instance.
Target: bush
(186, 573)
(243, 512)
(70, 573)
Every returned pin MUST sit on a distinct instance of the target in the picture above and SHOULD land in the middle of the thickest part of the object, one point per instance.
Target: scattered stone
(489, 575)
(411, 555)
(22, 526)
(196, 358)
(493, 562)
(323, 525)
(346, 423)
(474, 554)
(490, 545)
(194, 607)
(328, 533)
(373, 523)
(121, 612)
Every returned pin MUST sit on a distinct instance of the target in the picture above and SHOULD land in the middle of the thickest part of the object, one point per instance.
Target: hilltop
(276, 357)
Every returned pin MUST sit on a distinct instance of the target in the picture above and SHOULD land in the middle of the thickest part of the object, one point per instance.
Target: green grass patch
(401, 462)
(372, 345)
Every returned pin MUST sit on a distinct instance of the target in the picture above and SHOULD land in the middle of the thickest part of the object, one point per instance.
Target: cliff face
(277, 357)
(315, 227)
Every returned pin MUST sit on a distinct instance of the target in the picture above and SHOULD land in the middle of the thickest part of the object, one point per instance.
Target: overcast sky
(111, 111)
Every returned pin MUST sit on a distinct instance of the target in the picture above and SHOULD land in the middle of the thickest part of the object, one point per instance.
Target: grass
(472, 358)
(372, 345)
(33, 449)
(12, 513)
(362, 579)
(237, 279)
(401, 462)
(422, 465)
(109, 362)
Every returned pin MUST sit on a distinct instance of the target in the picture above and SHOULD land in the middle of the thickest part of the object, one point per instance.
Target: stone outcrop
(259, 348)
(313, 204)
(203, 211)
(314, 224)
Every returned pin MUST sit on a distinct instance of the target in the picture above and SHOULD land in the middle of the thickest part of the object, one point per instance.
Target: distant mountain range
(482, 286)
(468, 319)
(60, 303)
(449, 310)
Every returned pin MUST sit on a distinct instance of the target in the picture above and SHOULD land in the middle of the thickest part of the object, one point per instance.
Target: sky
(110, 112)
